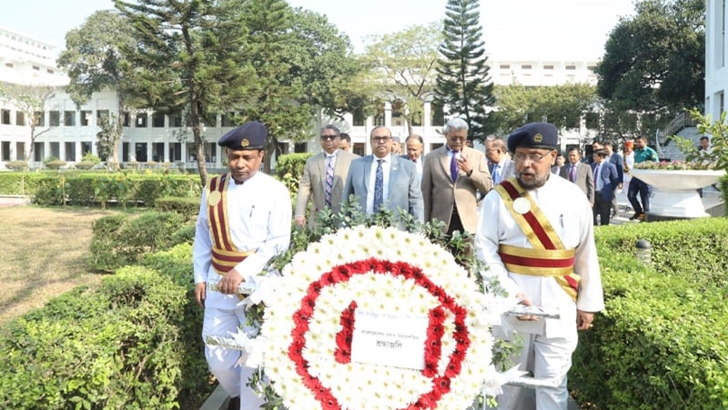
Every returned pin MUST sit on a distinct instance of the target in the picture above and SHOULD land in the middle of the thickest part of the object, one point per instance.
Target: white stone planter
(676, 193)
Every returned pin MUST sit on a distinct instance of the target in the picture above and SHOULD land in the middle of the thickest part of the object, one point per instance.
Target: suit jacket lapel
(394, 170)
(366, 173)
(445, 164)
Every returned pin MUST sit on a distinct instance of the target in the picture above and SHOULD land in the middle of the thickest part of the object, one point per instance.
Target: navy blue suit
(608, 181)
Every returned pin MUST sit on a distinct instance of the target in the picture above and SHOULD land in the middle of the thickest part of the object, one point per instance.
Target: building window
(548, 67)
(10, 65)
(436, 145)
(359, 119)
(125, 152)
(140, 151)
(55, 149)
(20, 118)
(592, 68)
(101, 114)
(505, 66)
(39, 118)
(157, 151)
(175, 152)
(227, 120)
(300, 147)
(359, 149)
(20, 151)
(526, 67)
(157, 120)
(70, 151)
(85, 118)
(592, 120)
(127, 119)
(141, 121)
(86, 147)
(5, 117)
(175, 121)
(5, 151)
(38, 152)
(36, 68)
(69, 118)
(437, 115)
(50, 71)
(571, 67)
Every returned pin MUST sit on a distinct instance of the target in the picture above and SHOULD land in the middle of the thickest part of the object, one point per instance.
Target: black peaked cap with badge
(248, 136)
(534, 135)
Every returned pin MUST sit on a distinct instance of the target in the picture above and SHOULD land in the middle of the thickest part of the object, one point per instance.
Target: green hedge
(124, 239)
(99, 188)
(660, 343)
(123, 346)
(187, 207)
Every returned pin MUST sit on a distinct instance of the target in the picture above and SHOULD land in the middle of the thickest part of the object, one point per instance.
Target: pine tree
(463, 84)
(189, 57)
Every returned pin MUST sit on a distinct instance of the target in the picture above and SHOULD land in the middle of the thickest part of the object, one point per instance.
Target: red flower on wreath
(435, 332)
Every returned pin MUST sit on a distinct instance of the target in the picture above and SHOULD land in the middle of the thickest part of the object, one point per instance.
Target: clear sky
(526, 29)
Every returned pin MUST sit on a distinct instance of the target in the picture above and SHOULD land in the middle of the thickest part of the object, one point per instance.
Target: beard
(533, 180)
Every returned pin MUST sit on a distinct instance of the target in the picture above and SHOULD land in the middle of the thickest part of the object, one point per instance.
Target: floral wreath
(310, 320)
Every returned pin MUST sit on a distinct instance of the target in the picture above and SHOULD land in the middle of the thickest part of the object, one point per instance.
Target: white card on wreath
(389, 340)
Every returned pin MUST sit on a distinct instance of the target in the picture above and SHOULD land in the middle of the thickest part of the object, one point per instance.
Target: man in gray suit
(415, 145)
(323, 177)
(579, 173)
(499, 163)
(383, 180)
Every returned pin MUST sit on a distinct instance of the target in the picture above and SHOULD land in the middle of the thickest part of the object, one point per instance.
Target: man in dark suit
(580, 174)
(384, 181)
(606, 180)
(558, 164)
(616, 160)
(451, 178)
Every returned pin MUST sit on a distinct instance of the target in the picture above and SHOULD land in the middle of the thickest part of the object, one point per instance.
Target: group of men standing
(533, 229)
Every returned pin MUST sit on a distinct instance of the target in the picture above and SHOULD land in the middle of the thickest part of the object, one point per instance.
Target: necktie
(329, 178)
(572, 173)
(379, 187)
(496, 174)
(597, 185)
(454, 167)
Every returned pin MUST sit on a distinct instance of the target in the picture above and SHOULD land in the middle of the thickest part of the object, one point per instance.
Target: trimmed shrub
(55, 164)
(120, 240)
(187, 207)
(17, 165)
(660, 343)
(116, 348)
(85, 165)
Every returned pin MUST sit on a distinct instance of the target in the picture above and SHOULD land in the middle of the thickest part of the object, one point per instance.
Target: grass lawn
(43, 254)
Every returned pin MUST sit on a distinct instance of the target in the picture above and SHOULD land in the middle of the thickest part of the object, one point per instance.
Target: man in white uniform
(535, 232)
(244, 221)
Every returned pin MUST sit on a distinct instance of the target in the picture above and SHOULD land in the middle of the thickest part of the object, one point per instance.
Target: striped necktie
(329, 178)
(379, 187)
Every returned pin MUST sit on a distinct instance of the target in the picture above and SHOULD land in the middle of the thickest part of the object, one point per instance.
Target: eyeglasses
(328, 137)
(381, 139)
(535, 158)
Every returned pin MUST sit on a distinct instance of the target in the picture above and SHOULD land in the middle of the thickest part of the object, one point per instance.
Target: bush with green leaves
(187, 207)
(123, 346)
(289, 170)
(17, 165)
(660, 343)
(120, 240)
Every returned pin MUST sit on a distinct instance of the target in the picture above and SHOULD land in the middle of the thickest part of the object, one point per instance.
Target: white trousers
(547, 358)
(223, 361)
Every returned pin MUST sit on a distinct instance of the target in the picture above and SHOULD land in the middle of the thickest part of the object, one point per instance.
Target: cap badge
(244, 142)
(538, 138)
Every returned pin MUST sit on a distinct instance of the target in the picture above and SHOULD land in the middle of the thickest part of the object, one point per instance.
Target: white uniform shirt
(570, 213)
(259, 213)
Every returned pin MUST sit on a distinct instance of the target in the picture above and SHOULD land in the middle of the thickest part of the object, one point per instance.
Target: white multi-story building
(716, 72)
(161, 138)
